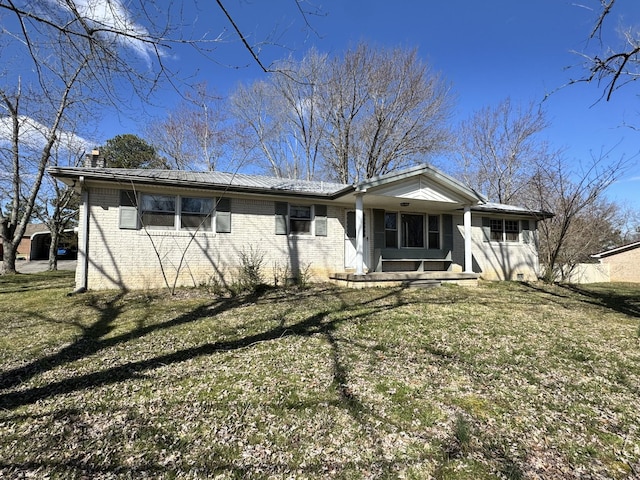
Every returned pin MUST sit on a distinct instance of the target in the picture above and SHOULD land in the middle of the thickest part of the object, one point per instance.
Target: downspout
(83, 251)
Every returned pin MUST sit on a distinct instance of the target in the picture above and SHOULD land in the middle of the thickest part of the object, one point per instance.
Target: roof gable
(418, 188)
(422, 182)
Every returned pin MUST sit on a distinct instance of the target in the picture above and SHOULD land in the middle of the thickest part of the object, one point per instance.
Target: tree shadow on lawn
(91, 342)
(626, 304)
(325, 323)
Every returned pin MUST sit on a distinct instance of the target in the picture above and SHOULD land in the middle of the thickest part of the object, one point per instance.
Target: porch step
(406, 279)
(422, 283)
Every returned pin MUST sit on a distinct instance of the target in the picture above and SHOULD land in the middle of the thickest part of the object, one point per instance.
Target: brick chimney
(94, 160)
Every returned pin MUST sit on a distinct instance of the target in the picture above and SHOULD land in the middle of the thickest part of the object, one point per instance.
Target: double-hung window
(158, 211)
(502, 230)
(497, 230)
(196, 213)
(300, 219)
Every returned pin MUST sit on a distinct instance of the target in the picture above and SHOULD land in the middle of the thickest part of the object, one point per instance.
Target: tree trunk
(53, 250)
(8, 248)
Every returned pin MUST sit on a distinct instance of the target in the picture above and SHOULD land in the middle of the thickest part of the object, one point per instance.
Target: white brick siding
(494, 260)
(121, 258)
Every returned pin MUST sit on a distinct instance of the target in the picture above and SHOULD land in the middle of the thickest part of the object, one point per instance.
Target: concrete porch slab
(403, 279)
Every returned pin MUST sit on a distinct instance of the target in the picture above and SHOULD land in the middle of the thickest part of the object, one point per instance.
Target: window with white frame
(158, 211)
(502, 230)
(171, 212)
(511, 230)
(300, 219)
(196, 213)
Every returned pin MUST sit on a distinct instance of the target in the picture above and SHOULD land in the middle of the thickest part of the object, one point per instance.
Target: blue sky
(488, 50)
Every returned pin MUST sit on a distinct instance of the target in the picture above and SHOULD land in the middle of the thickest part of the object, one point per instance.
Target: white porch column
(468, 257)
(359, 235)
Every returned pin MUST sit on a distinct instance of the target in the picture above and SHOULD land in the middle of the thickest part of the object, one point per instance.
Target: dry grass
(501, 381)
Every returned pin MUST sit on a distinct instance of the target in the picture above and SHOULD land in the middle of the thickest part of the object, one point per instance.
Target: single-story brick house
(623, 262)
(192, 227)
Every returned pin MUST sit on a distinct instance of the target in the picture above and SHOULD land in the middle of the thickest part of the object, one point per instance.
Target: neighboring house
(138, 227)
(623, 262)
(36, 241)
(33, 244)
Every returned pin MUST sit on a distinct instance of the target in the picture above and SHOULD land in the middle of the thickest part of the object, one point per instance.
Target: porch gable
(419, 188)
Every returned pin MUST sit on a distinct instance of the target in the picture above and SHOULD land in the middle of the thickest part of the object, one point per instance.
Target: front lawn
(506, 380)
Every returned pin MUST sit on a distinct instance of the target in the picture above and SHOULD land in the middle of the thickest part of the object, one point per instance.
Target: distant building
(623, 262)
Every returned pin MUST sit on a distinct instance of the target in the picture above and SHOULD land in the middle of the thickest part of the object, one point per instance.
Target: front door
(350, 241)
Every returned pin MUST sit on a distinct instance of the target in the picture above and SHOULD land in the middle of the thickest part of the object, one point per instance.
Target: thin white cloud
(33, 135)
(115, 17)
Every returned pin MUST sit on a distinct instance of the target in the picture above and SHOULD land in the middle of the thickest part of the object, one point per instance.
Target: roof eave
(101, 175)
(616, 250)
(538, 214)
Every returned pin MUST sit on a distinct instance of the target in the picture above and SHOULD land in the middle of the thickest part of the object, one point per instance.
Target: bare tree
(75, 55)
(284, 116)
(386, 109)
(612, 66)
(59, 202)
(195, 134)
(302, 111)
(13, 223)
(582, 221)
(370, 112)
(407, 114)
(346, 97)
(500, 148)
(254, 107)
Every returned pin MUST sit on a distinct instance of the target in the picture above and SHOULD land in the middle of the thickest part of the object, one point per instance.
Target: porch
(404, 279)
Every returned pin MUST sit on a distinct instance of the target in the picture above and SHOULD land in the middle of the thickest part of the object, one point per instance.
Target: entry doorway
(350, 241)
